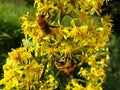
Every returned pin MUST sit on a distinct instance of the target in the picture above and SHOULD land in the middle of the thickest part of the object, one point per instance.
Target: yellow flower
(106, 21)
(74, 85)
(96, 7)
(31, 66)
(16, 54)
(84, 28)
(83, 16)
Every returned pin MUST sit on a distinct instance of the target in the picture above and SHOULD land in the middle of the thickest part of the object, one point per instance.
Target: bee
(66, 64)
(43, 24)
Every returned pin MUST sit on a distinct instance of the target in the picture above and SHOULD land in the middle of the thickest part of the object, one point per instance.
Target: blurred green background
(11, 35)
(10, 25)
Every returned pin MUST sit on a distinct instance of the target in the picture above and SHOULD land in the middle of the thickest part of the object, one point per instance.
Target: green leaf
(28, 43)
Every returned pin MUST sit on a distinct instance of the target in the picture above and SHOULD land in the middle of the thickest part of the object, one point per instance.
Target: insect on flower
(43, 24)
(65, 63)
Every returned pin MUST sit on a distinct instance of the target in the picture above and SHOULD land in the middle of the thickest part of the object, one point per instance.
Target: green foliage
(10, 27)
(113, 70)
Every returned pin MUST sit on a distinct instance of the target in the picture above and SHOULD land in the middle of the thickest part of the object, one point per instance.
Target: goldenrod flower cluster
(60, 28)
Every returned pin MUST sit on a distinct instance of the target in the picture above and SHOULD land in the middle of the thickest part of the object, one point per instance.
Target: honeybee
(43, 24)
(66, 64)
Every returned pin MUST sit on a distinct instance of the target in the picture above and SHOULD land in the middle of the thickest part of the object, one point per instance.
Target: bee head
(61, 61)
